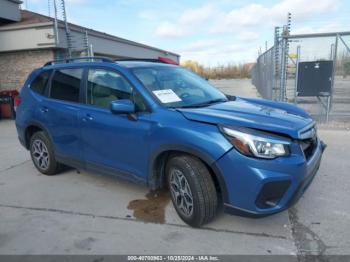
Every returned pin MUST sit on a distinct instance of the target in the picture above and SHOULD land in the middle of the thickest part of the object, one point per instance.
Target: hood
(260, 114)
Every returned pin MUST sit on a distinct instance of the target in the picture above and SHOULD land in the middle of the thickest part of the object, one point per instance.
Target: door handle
(88, 117)
(44, 109)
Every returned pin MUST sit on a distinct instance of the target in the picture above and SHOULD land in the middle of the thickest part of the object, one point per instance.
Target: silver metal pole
(319, 35)
(333, 72)
(328, 108)
(86, 43)
(283, 67)
(331, 54)
(91, 50)
(284, 60)
(276, 63)
(297, 75)
(346, 46)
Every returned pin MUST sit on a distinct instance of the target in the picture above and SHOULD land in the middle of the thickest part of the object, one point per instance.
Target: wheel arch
(156, 174)
(32, 128)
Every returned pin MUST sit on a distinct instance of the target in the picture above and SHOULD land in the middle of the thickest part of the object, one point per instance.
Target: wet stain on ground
(151, 209)
(85, 244)
(306, 241)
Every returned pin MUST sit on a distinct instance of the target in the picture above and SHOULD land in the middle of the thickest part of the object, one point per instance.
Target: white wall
(26, 38)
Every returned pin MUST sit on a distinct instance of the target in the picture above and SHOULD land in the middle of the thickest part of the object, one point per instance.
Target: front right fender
(179, 134)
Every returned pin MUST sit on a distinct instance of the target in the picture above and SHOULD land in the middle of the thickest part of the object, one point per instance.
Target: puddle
(151, 209)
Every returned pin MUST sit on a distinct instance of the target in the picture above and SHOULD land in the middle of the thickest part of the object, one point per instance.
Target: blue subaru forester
(165, 127)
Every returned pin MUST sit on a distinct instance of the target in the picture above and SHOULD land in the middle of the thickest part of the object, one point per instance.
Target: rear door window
(40, 82)
(66, 83)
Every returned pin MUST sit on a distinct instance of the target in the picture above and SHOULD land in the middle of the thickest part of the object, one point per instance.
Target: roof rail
(89, 58)
(139, 59)
(162, 60)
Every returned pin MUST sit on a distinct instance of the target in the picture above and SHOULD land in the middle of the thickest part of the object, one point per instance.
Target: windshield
(178, 87)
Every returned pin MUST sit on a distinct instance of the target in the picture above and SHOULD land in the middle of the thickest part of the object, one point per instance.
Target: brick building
(28, 40)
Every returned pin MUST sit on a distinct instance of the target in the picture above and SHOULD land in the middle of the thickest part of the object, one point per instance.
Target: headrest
(148, 80)
(100, 87)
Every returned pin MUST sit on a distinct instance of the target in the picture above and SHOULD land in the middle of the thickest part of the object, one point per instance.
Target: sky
(212, 32)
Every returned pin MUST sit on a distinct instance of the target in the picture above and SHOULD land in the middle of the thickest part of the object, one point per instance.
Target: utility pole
(284, 58)
(276, 49)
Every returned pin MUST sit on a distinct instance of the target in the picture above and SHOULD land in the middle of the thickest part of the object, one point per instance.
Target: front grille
(308, 146)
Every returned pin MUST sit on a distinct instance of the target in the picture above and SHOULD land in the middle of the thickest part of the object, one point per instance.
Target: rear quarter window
(39, 84)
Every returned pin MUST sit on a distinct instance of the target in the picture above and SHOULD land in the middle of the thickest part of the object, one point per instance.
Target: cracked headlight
(255, 143)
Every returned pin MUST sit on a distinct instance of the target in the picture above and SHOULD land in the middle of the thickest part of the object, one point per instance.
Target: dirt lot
(85, 213)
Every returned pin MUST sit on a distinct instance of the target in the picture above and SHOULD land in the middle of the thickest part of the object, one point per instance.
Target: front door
(113, 142)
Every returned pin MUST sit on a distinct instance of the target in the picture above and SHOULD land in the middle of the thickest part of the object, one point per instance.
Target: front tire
(192, 190)
(42, 154)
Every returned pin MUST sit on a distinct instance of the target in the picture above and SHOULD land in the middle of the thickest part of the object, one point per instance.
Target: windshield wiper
(206, 103)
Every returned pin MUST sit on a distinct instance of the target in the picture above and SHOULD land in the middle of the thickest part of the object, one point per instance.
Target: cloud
(304, 8)
(167, 29)
(239, 19)
(187, 22)
(331, 27)
(252, 15)
(196, 16)
(247, 36)
(233, 34)
(210, 51)
(201, 45)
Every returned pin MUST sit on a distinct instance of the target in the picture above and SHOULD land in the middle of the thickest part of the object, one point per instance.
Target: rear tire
(192, 190)
(42, 154)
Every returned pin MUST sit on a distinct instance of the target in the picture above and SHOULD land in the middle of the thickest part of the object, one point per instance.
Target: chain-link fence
(263, 74)
(276, 72)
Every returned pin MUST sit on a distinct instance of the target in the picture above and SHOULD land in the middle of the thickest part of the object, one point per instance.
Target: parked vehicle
(166, 127)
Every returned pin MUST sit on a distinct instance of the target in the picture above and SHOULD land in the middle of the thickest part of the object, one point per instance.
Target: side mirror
(123, 106)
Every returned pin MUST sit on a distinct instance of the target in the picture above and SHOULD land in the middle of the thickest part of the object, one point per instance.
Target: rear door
(114, 143)
(59, 113)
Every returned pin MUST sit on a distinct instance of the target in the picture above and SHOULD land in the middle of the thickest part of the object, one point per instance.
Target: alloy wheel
(181, 192)
(40, 154)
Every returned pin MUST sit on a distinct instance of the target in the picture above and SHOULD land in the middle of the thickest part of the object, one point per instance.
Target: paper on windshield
(167, 96)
